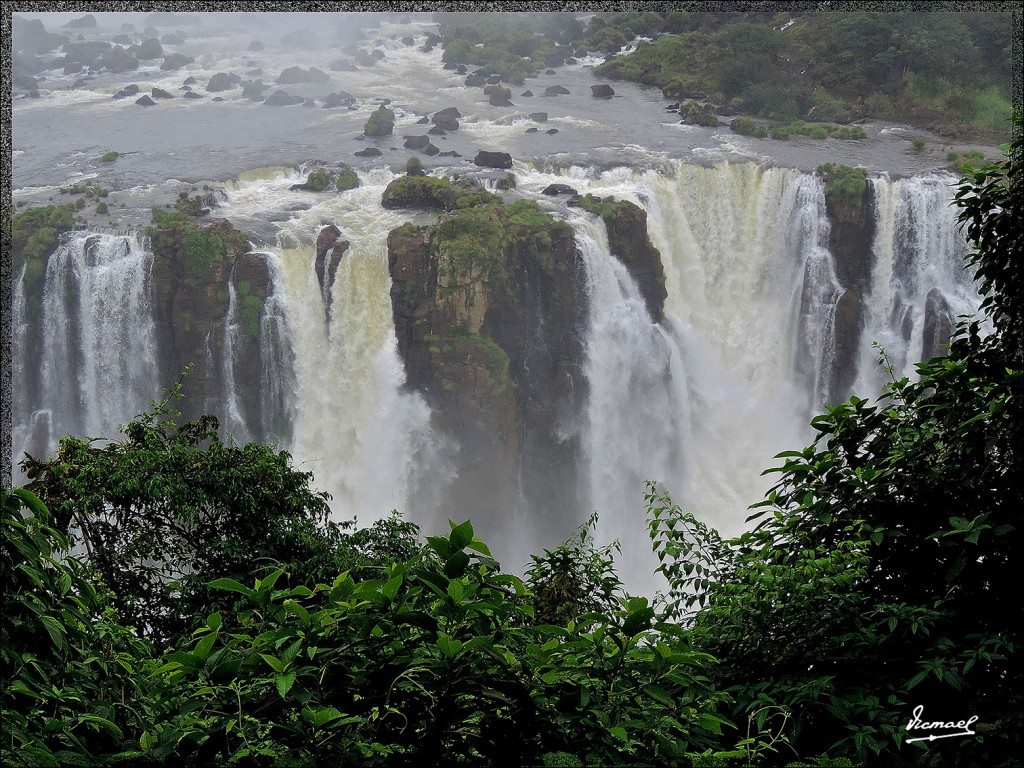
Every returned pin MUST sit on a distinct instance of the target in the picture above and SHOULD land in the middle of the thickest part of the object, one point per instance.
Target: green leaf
(461, 535)
(455, 590)
(638, 621)
(276, 664)
(230, 585)
(391, 587)
(32, 501)
(284, 683)
(204, 646)
(455, 566)
(56, 631)
(660, 695)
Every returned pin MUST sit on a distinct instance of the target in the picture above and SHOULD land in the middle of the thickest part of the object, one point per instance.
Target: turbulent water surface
(699, 402)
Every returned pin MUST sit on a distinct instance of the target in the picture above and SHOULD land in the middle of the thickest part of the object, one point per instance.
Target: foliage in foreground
(438, 661)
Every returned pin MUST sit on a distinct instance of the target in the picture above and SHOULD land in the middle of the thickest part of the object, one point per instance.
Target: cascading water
(234, 419)
(99, 355)
(749, 322)
(638, 409)
(919, 284)
(368, 442)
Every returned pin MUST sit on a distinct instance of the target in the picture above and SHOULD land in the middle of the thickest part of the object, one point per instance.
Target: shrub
(110, 157)
(747, 127)
(101, 208)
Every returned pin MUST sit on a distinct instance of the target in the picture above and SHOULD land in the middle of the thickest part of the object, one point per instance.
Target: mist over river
(760, 326)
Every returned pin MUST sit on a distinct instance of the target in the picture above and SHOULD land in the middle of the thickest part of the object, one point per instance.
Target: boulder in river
(293, 75)
(220, 82)
(487, 159)
(145, 101)
(283, 99)
(556, 90)
(602, 91)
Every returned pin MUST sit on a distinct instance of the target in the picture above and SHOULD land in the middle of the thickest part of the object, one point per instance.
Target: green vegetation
(110, 157)
(950, 72)
(414, 166)
(744, 126)
(34, 235)
(844, 186)
(432, 192)
(381, 122)
(817, 131)
(101, 208)
(347, 179)
(317, 181)
(513, 47)
(200, 251)
(958, 160)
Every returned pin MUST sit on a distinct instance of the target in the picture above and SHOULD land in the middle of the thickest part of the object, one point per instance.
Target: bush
(101, 208)
(110, 157)
(747, 127)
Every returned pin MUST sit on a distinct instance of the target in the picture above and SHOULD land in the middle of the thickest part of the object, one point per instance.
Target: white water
(917, 250)
(234, 421)
(638, 416)
(99, 367)
(368, 442)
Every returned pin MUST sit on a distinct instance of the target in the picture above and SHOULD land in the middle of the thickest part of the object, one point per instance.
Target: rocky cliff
(489, 312)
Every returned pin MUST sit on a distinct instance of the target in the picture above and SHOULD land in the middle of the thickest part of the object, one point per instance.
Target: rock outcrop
(330, 248)
(293, 75)
(850, 210)
(488, 159)
(221, 81)
(191, 267)
(489, 309)
(630, 243)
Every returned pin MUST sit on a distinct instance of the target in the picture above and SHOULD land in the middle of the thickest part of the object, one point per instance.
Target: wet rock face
(850, 239)
(330, 248)
(191, 267)
(493, 341)
(629, 242)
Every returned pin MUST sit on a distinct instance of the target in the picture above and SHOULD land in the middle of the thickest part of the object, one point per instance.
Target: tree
(170, 507)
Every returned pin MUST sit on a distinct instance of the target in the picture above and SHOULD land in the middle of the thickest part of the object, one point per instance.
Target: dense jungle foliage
(949, 72)
(170, 599)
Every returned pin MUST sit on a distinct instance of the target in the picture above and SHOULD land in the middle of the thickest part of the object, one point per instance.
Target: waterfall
(234, 420)
(638, 410)
(368, 442)
(919, 285)
(99, 355)
(277, 406)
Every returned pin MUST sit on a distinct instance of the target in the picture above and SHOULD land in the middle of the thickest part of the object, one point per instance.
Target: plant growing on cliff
(844, 185)
(347, 179)
(317, 180)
